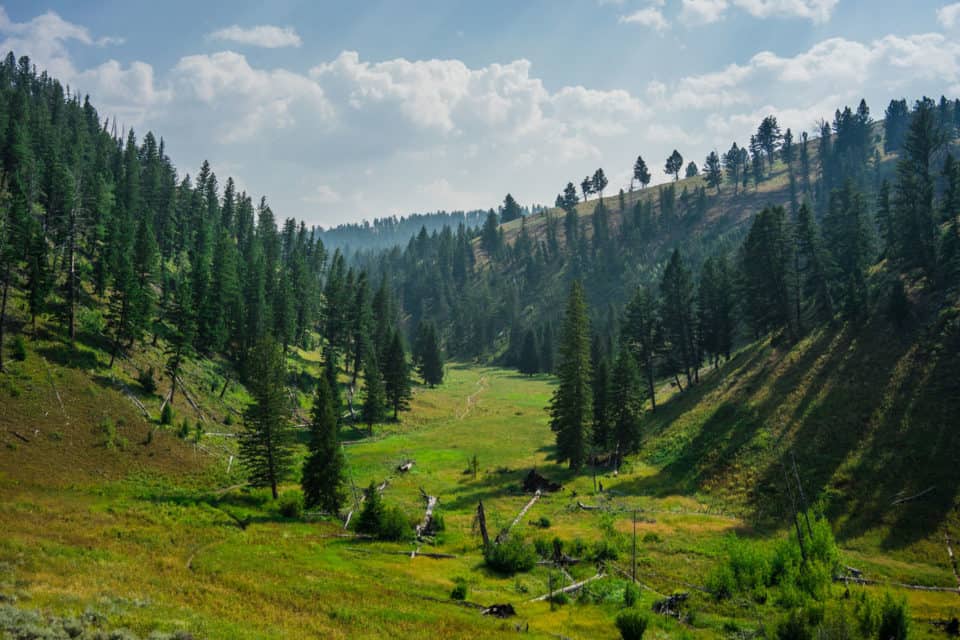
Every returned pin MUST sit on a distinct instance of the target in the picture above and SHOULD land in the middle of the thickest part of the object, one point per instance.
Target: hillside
(780, 356)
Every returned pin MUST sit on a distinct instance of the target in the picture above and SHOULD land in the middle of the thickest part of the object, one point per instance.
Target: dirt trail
(472, 398)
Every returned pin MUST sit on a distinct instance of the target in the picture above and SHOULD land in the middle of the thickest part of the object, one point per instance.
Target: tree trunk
(676, 379)
(650, 384)
(3, 312)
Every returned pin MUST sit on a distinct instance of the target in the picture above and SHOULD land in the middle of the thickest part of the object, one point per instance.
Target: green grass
(149, 532)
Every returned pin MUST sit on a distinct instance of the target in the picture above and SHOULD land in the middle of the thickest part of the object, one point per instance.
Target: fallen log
(386, 552)
(901, 585)
(573, 587)
(406, 466)
(18, 435)
(503, 534)
(428, 516)
(588, 507)
(913, 497)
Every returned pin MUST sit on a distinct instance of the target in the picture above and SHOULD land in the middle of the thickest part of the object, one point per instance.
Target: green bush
(146, 380)
(166, 416)
(543, 522)
(228, 420)
(18, 348)
(632, 625)
(184, 431)
(603, 550)
(630, 594)
(394, 525)
(109, 432)
(459, 591)
(290, 504)
(512, 556)
(894, 619)
(795, 626)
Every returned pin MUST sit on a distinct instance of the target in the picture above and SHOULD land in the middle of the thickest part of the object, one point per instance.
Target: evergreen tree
(812, 267)
(598, 183)
(529, 358)
(510, 210)
(601, 403)
(643, 337)
(370, 520)
(713, 171)
(766, 264)
(490, 237)
(265, 441)
(626, 404)
(674, 164)
(323, 469)
(182, 328)
(396, 375)
(692, 170)
(374, 407)
(430, 365)
(571, 406)
(677, 300)
(641, 173)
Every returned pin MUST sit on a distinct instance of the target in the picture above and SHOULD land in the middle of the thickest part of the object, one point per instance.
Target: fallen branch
(380, 488)
(913, 497)
(428, 516)
(503, 534)
(134, 399)
(406, 466)
(22, 437)
(901, 585)
(588, 507)
(416, 553)
(573, 587)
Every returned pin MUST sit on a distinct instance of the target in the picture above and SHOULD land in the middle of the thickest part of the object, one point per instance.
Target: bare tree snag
(428, 516)
(482, 520)
(503, 534)
(573, 587)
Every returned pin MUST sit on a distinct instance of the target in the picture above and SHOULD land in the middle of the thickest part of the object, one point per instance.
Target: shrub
(543, 522)
(512, 556)
(394, 525)
(894, 619)
(229, 419)
(437, 525)
(630, 594)
(184, 431)
(146, 380)
(290, 504)
(459, 591)
(603, 550)
(166, 416)
(795, 626)
(197, 431)
(631, 625)
(109, 432)
(560, 598)
(18, 348)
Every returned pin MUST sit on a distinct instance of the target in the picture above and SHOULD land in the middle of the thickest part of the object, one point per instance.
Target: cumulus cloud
(949, 15)
(265, 35)
(648, 17)
(695, 12)
(818, 11)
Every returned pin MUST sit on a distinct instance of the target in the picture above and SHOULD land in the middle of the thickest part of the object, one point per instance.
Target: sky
(342, 111)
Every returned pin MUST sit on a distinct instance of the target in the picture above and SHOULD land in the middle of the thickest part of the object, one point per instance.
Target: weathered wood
(573, 587)
(18, 435)
(482, 521)
(503, 534)
(416, 553)
(901, 585)
(953, 559)
(588, 507)
(380, 488)
(406, 466)
(428, 516)
(913, 497)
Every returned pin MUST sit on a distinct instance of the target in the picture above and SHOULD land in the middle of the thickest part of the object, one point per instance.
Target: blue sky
(342, 111)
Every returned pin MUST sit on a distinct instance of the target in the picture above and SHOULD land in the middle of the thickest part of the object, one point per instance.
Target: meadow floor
(181, 546)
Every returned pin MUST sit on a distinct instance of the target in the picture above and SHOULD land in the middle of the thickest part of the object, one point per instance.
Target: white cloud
(695, 12)
(264, 35)
(323, 194)
(949, 15)
(818, 11)
(647, 17)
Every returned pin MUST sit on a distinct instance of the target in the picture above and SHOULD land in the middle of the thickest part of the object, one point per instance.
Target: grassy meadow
(156, 533)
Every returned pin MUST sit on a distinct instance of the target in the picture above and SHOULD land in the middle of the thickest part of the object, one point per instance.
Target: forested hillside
(769, 340)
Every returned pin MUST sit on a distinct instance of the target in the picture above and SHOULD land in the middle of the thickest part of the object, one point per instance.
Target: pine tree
(641, 173)
(601, 403)
(323, 469)
(374, 407)
(265, 441)
(598, 183)
(396, 375)
(626, 404)
(766, 264)
(370, 520)
(812, 266)
(430, 366)
(674, 164)
(529, 358)
(643, 337)
(571, 407)
(692, 171)
(510, 210)
(676, 291)
(713, 171)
